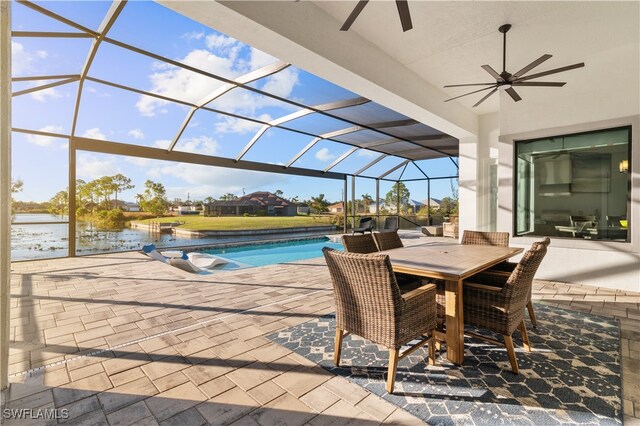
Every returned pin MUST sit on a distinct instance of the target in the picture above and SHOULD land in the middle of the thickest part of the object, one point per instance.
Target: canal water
(41, 241)
(35, 241)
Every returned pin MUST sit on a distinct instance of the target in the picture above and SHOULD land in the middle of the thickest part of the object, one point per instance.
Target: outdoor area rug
(571, 377)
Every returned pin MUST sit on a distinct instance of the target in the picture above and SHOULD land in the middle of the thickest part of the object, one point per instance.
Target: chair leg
(525, 336)
(432, 350)
(508, 342)
(338, 346)
(393, 366)
(532, 315)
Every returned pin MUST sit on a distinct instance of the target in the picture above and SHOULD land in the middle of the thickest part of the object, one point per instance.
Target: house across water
(260, 203)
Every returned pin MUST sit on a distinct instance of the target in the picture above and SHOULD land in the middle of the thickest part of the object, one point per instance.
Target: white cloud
(162, 143)
(94, 133)
(90, 167)
(182, 84)
(198, 145)
(136, 134)
(42, 95)
(203, 181)
(142, 162)
(93, 90)
(281, 83)
(193, 35)
(367, 153)
(238, 126)
(260, 59)
(221, 42)
(44, 140)
(22, 61)
(226, 58)
(324, 155)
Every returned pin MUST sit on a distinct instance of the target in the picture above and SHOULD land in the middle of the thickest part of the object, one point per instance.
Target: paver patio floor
(121, 339)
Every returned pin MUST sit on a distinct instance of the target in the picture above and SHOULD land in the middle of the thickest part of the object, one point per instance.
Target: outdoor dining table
(452, 263)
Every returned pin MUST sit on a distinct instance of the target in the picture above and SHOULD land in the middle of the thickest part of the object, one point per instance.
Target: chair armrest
(418, 291)
(482, 287)
(507, 267)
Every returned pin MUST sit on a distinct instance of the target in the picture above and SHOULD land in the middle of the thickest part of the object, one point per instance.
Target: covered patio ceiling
(344, 122)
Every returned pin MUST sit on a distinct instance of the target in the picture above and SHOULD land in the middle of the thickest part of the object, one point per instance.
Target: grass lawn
(198, 223)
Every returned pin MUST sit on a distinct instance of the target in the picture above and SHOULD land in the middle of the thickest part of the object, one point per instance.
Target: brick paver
(170, 347)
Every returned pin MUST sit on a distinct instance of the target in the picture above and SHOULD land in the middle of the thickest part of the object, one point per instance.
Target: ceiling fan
(403, 11)
(507, 81)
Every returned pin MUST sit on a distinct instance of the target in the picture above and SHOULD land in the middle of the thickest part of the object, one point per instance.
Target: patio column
(353, 202)
(72, 197)
(344, 204)
(398, 202)
(378, 204)
(5, 187)
(428, 202)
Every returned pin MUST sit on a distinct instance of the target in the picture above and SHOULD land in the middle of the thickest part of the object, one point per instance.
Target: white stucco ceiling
(451, 40)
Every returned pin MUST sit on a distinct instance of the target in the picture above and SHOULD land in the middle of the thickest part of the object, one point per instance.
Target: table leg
(455, 322)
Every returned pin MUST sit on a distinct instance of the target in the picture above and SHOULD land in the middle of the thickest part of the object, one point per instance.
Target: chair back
(359, 243)
(582, 222)
(518, 286)
(365, 222)
(391, 223)
(480, 238)
(367, 296)
(387, 240)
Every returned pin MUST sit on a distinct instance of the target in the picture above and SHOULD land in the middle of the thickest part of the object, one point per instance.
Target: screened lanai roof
(120, 66)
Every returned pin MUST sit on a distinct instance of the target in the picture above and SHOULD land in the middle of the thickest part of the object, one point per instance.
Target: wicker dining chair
(503, 268)
(369, 304)
(480, 238)
(363, 243)
(388, 240)
(500, 308)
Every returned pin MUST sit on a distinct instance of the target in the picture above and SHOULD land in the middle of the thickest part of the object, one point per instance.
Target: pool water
(268, 254)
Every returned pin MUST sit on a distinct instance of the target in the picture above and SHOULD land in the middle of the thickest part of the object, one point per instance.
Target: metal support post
(5, 187)
(344, 204)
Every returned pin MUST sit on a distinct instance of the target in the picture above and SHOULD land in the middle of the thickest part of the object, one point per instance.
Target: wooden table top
(448, 261)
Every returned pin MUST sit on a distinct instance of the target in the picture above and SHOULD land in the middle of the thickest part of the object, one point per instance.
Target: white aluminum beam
(252, 142)
(45, 77)
(45, 86)
(404, 163)
(302, 152)
(106, 24)
(57, 17)
(116, 148)
(380, 158)
(243, 79)
(5, 190)
(50, 34)
(340, 159)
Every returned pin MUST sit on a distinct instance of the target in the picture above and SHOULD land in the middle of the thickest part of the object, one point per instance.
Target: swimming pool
(270, 253)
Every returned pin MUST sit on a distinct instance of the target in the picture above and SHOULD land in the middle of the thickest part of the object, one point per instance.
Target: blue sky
(122, 116)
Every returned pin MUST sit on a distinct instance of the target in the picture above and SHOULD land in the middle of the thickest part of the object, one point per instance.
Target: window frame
(514, 210)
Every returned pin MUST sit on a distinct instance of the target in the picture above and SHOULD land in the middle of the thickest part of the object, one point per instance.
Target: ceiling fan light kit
(506, 81)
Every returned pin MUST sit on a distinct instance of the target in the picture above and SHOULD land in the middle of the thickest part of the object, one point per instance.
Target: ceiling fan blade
(471, 84)
(514, 95)
(470, 93)
(493, 72)
(557, 70)
(531, 66)
(539, 83)
(405, 16)
(485, 97)
(353, 15)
